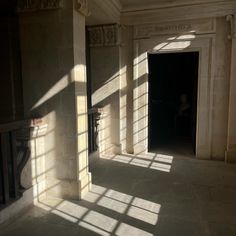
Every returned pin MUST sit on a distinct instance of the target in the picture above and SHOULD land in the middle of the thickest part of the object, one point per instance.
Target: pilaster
(79, 78)
(230, 154)
(104, 42)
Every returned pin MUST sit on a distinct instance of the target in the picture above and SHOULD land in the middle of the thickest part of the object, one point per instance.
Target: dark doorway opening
(173, 79)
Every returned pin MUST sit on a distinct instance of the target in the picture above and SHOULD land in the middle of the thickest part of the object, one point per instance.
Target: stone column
(54, 84)
(231, 141)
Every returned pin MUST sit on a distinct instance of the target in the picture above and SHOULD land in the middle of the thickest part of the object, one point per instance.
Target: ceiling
(108, 11)
(103, 12)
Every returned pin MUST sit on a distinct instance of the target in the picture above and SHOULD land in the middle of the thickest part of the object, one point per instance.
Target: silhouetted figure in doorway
(183, 117)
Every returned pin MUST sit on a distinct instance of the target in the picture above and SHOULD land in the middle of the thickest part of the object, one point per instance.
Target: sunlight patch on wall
(186, 36)
(175, 43)
(105, 130)
(112, 86)
(53, 91)
(173, 46)
(140, 66)
(82, 137)
(79, 74)
(123, 107)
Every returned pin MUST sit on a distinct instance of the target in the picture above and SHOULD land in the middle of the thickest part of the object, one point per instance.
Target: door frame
(165, 44)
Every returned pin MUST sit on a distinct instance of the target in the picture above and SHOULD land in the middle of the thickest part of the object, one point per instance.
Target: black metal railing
(14, 154)
(93, 122)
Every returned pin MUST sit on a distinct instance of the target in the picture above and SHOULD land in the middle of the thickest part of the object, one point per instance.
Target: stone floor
(152, 194)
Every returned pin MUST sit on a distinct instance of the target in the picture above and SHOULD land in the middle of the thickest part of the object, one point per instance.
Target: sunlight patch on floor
(99, 222)
(152, 161)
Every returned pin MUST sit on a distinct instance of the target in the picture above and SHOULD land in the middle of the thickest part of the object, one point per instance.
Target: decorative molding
(196, 27)
(82, 7)
(38, 5)
(104, 35)
(232, 20)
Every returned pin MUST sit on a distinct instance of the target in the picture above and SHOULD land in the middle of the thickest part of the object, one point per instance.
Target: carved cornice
(104, 35)
(232, 21)
(38, 5)
(82, 7)
(173, 28)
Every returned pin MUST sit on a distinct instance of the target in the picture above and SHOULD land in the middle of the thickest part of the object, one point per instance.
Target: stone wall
(112, 74)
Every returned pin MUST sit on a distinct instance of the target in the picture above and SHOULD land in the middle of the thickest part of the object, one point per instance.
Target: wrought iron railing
(14, 154)
(93, 122)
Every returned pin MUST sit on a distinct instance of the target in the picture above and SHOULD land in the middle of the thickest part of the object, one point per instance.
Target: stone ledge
(15, 208)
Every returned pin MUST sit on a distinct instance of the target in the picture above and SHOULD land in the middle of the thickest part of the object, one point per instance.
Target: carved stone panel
(197, 27)
(96, 37)
(105, 35)
(37, 5)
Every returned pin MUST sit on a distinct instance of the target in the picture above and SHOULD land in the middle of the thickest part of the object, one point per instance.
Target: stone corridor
(150, 194)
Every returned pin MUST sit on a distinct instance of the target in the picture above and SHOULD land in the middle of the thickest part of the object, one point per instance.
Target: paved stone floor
(152, 194)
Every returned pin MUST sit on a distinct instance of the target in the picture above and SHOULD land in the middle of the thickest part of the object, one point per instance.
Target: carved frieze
(82, 7)
(51, 4)
(105, 35)
(232, 20)
(37, 5)
(198, 27)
